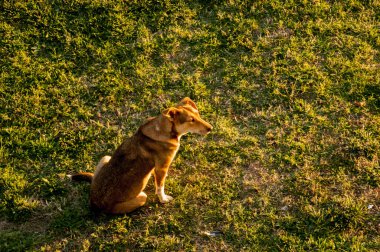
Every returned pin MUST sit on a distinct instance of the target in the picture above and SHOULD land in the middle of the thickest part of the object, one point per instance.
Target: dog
(118, 182)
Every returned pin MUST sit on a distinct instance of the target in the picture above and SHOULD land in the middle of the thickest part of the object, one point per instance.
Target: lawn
(292, 89)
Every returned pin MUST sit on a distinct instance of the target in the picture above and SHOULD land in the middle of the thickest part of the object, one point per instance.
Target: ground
(292, 89)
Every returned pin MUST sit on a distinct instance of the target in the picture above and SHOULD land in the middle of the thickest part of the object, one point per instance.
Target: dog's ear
(188, 101)
(170, 113)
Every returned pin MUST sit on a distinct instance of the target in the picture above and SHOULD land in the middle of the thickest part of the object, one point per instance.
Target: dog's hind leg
(104, 160)
(129, 205)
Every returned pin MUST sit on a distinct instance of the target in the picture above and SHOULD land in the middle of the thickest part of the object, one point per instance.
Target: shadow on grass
(53, 219)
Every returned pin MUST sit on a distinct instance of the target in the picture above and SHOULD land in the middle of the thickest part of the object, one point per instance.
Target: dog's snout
(208, 128)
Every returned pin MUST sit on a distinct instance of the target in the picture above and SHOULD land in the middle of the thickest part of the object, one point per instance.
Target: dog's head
(185, 118)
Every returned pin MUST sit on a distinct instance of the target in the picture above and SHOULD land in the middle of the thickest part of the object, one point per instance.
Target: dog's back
(126, 174)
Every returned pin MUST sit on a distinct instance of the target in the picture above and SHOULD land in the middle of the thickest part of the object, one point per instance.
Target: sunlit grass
(291, 88)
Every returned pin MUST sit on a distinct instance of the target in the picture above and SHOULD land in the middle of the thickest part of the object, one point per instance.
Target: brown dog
(118, 182)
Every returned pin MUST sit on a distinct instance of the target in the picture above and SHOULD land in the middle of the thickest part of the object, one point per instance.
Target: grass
(291, 88)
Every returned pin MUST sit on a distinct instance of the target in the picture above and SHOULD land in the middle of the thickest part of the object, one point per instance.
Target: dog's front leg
(159, 177)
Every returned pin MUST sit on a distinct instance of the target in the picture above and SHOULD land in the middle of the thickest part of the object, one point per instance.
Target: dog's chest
(174, 153)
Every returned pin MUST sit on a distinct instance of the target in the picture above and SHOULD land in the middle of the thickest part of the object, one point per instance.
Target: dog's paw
(165, 198)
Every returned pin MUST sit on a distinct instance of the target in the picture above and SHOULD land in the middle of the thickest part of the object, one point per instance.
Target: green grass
(292, 89)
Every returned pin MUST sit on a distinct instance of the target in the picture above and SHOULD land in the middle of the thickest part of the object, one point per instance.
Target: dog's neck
(174, 133)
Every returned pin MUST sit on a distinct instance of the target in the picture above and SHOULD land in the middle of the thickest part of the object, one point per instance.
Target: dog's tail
(82, 176)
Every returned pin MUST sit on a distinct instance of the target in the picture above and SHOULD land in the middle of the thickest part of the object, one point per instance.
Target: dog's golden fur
(118, 182)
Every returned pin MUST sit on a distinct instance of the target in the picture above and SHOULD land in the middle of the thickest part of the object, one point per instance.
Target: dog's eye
(192, 119)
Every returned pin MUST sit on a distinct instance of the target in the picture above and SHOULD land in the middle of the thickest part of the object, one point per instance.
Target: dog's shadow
(77, 215)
